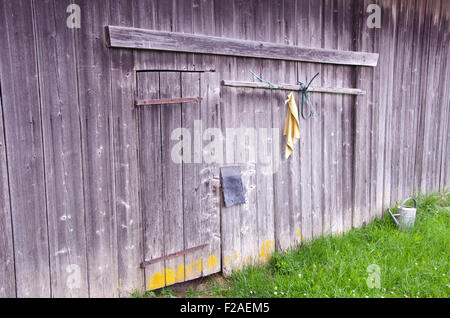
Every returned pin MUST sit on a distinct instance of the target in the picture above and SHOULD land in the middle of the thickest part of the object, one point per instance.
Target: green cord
(305, 96)
(263, 80)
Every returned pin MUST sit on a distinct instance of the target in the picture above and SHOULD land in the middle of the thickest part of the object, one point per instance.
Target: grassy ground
(410, 264)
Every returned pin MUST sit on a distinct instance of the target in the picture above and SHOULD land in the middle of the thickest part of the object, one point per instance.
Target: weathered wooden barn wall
(87, 191)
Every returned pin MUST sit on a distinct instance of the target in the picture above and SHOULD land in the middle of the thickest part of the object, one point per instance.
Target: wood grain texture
(404, 117)
(231, 242)
(304, 71)
(210, 175)
(126, 174)
(373, 108)
(203, 22)
(172, 181)
(62, 150)
(266, 166)
(341, 72)
(286, 179)
(347, 119)
(134, 38)
(442, 150)
(289, 15)
(435, 100)
(167, 101)
(280, 181)
(193, 202)
(388, 60)
(361, 128)
(23, 134)
(329, 126)
(7, 278)
(383, 46)
(150, 169)
(290, 87)
(445, 131)
(246, 141)
(94, 93)
(317, 190)
(230, 217)
(96, 171)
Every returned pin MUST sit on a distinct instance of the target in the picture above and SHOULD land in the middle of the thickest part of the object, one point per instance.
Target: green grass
(411, 264)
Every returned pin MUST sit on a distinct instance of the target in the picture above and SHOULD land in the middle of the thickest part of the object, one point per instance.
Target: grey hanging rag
(233, 190)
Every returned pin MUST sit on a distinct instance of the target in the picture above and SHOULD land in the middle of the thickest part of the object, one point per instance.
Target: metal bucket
(406, 215)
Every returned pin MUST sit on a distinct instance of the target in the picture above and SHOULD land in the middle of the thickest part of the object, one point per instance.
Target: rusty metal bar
(168, 101)
(160, 259)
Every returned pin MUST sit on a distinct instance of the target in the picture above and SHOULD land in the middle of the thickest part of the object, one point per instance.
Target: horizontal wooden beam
(125, 37)
(168, 101)
(290, 87)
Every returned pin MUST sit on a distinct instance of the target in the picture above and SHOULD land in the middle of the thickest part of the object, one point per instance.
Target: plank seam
(83, 180)
(37, 62)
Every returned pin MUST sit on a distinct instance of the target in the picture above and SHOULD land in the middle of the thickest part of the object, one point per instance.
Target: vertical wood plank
(444, 53)
(376, 129)
(370, 115)
(445, 131)
(290, 32)
(192, 158)
(341, 43)
(422, 42)
(23, 134)
(210, 174)
(280, 73)
(397, 151)
(172, 183)
(231, 243)
(124, 121)
(246, 140)
(347, 118)
(149, 150)
(362, 131)
(415, 91)
(230, 217)
(387, 59)
(150, 169)
(316, 23)
(404, 108)
(203, 22)
(382, 92)
(94, 81)
(329, 125)
(303, 38)
(436, 97)
(63, 153)
(427, 177)
(7, 274)
(411, 98)
(266, 167)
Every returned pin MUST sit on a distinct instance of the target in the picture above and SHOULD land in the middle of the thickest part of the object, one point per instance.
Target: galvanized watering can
(406, 215)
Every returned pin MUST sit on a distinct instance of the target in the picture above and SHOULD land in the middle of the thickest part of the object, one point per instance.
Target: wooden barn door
(181, 210)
